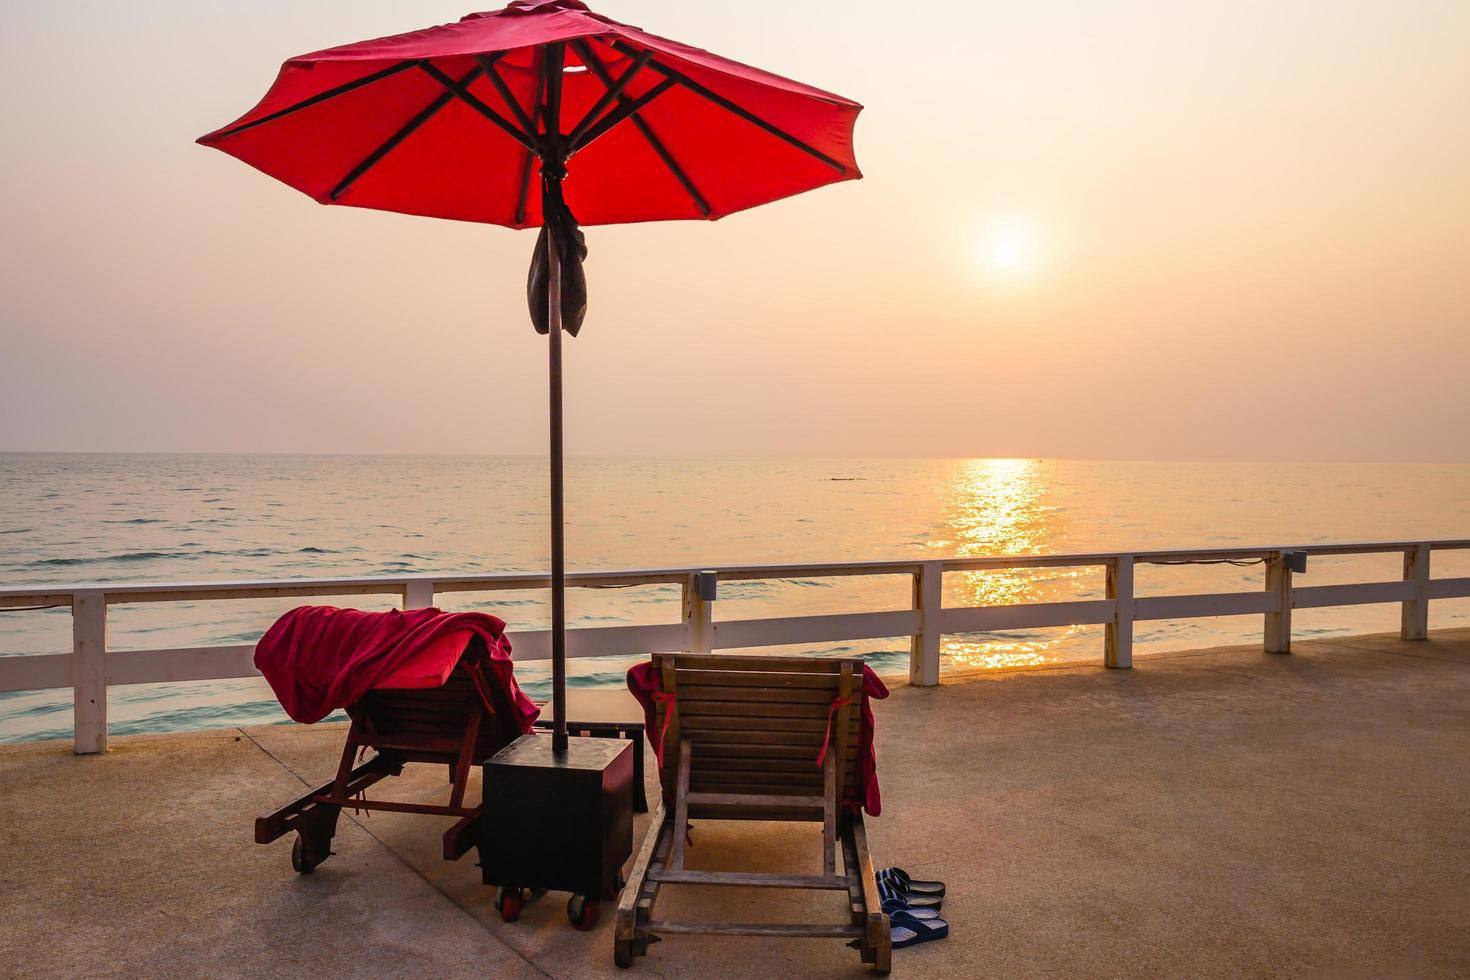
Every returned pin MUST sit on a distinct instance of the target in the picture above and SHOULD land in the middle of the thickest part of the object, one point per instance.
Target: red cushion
(431, 666)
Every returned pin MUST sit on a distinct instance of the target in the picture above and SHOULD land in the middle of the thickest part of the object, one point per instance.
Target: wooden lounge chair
(447, 725)
(741, 740)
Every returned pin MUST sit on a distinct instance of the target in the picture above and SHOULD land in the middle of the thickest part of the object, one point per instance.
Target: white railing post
(418, 594)
(700, 589)
(1416, 610)
(1118, 636)
(1278, 624)
(89, 672)
(929, 603)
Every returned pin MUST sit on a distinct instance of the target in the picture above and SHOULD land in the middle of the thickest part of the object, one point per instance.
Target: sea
(74, 518)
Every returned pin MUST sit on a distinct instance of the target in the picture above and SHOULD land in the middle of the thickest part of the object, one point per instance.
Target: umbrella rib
(527, 154)
(330, 93)
(585, 50)
(613, 91)
(726, 104)
(487, 62)
(622, 112)
(469, 99)
(424, 115)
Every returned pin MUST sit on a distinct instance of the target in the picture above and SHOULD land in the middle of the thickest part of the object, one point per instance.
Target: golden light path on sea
(996, 509)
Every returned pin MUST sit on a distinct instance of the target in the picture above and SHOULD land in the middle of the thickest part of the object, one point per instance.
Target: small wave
(138, 520)
(244, 636)
(201, 717)
(17, 530)
(127, 556)
(606, 678)
(538, 691)
(744, 590)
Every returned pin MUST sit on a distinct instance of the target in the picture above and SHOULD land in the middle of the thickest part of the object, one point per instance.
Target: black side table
(559, 823)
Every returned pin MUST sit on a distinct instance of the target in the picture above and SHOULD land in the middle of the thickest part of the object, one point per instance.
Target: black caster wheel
(303, 858)
(583, 911)
(508, 902)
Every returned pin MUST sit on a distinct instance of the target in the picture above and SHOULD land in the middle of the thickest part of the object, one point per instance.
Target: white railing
(89, 669)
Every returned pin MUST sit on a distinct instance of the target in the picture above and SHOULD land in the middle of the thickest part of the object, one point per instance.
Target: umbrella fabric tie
(827, 739)
(559, 230)
(671, 700)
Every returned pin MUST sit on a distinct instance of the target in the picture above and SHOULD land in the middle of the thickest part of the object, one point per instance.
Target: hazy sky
(1107, 229)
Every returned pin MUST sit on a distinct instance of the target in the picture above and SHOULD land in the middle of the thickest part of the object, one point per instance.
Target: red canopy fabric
(324, 124)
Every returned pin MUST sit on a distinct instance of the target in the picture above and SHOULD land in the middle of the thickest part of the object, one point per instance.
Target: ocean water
(69, 518)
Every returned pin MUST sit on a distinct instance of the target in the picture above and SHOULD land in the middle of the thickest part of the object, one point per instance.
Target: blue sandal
(907, 884)
(909, 930)
(889, 891)
(896, 905)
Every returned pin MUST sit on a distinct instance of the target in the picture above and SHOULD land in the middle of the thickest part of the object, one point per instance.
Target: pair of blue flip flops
(912, 906)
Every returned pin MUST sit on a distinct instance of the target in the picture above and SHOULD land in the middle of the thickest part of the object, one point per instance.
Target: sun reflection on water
(996, 508)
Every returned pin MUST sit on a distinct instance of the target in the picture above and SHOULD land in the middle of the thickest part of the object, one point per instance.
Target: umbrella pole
(553, 169)
(558, 534)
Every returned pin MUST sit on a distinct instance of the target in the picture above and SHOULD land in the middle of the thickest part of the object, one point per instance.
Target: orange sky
(1116, 230)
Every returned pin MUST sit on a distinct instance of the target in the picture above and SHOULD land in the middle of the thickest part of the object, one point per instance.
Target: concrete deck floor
(1217, 813)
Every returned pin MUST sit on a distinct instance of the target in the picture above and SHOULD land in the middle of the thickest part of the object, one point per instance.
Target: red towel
(320, 658)
(644, 681)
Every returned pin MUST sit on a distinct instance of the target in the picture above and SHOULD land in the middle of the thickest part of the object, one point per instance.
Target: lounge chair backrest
(434, 718)
(756, 727)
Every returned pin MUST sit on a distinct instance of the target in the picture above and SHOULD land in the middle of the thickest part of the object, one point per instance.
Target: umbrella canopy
(439, 122)
(456, 121)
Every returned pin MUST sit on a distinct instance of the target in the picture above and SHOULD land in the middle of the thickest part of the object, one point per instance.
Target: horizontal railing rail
(90, 668)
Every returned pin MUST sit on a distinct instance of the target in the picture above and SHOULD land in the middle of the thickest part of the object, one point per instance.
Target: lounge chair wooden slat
(747, 709)
(799, 761)
(755, 929)
(812, 780)
(754, 799)
(757, 664)
(707, 677)
(743, 879)
(756, 723)
(780, 814)
(779, 695)
(787, 752)
(803, 744)
(770, 791)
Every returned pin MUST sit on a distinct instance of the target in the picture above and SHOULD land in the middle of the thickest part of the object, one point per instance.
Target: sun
(1009, 245)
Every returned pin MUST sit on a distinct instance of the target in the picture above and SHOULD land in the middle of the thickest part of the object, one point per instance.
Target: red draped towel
(320, 658)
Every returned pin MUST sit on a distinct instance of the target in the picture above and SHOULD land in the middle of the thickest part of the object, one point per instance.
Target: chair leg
(627, 940)
(466, 756)
(681, 808)
(829, 817)
(877, 936)
(883, 953)
(640, 792)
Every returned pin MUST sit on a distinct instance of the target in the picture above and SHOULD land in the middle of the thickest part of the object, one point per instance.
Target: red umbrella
(451, 121)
